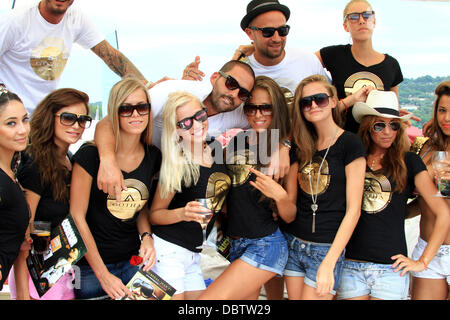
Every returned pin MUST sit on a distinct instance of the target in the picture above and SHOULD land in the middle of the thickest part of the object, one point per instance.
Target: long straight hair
(304, 133)
(119, 92)
(43, 150)
(178, 168)
(393, 161)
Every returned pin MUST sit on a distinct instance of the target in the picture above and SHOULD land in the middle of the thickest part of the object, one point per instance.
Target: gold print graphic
(239, 165)
(377, 193)
(362, 79)
(49, 58)
(132, 200)
(311, 171)
(218, 185)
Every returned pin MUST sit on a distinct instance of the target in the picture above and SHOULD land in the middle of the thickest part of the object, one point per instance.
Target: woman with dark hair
(258, 248)
(330, 167)
(433, 283)
(113, 232)
(58, 121)
(376, 256)
(14, 212)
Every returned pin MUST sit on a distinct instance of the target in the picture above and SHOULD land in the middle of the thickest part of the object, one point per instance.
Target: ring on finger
(187, 73)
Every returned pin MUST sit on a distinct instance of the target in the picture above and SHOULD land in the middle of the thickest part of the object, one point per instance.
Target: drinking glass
(437, 161)
(206, 218)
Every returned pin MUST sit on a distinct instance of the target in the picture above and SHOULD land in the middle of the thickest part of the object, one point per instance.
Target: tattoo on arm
(116, 60)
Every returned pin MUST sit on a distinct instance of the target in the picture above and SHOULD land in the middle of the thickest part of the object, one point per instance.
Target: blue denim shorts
(305, 258)
(373, 279)
(268, 253)
(90, 287)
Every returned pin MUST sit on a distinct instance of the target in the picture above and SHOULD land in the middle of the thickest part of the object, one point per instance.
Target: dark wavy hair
(43, 149)
(437, 136)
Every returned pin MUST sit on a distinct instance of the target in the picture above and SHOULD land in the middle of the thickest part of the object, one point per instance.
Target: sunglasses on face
(127, 110)
(69, 119)
(269, 31)
(380, 126)
(188, 122)
(321, 100)
(232, 84)
(354, 16)
(251, 109)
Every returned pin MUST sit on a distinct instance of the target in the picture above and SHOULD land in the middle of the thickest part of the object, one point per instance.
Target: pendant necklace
(314, 205)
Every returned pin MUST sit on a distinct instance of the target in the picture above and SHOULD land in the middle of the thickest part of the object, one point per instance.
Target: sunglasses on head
(251, 109)
(354, 16)
(269, 31)
(380, 126)
(188, 122)
(127, 110)
(232, 84)
(321, 100)
(69, 119)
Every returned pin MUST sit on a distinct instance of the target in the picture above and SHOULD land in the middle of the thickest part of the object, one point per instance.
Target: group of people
(313, 192)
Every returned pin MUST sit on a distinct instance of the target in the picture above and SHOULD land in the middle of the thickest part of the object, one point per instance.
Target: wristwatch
(287, 143)
(141, 236)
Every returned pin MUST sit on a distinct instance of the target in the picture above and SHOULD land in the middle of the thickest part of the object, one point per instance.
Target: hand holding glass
(206, 217)
(439, 166)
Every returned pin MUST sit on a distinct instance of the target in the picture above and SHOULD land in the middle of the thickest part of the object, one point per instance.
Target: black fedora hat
(256, 7)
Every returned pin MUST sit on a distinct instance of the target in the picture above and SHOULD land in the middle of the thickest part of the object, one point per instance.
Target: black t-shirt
(114, 226)
(332, 198)
(213, 184)
(48, 209)
(249, 215)
(14, 219)
(380, 233)
(349, 75)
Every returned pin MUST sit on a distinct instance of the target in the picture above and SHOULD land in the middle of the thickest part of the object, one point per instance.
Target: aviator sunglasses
(269, 31)
(321, 100)
(188, 122)
(354, 16)
(127, 110)
(251, 109)
(69, 119)
(380, 126)
(232, 84)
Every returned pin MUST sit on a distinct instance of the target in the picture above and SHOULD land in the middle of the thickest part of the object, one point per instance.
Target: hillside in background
(417, 96)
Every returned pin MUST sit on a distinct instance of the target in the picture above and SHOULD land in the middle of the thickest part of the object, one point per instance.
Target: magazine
(65, 249)
(147, 285)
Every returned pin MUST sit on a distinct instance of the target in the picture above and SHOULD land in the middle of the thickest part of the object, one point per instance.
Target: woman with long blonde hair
(377, 264)
(113, 232)
(191, 169)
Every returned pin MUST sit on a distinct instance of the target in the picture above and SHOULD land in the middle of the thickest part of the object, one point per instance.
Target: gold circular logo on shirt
(132, 200)
(49, 58)
(362, 79)
(217, 189)
(238, 166)
(377, 193)
(311, 172)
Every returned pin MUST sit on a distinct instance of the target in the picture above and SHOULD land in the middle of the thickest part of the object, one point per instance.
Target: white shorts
(178, 266)
(439, 267)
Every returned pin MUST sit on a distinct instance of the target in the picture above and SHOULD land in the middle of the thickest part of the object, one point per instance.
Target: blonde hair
(346, 9)
(178, 168)
(119, 92)
(305, 135)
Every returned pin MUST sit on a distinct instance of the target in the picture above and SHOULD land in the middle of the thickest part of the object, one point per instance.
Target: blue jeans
(90, 287)
(268, 253)
(305, 258)
(373, 279)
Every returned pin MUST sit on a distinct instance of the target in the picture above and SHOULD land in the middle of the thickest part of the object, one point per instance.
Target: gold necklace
(374, 158)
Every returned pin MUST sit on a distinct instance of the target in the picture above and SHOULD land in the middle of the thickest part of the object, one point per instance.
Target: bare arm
(147, 250)
(79, 201)
(109, 179)
(117, 61)
(354, 172)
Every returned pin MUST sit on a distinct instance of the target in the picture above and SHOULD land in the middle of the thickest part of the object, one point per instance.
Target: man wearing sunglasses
(35, 45)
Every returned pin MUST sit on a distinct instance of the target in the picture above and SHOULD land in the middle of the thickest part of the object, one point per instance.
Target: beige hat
(378, 103)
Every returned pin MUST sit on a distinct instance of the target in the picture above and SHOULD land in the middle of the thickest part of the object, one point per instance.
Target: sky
(162, 37)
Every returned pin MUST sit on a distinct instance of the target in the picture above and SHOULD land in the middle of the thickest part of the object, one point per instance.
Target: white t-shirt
(217, 124)
(296, 65)
(34, 52)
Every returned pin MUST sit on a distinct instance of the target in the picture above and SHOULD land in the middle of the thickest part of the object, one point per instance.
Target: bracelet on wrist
(422, 259)
(346, 107)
